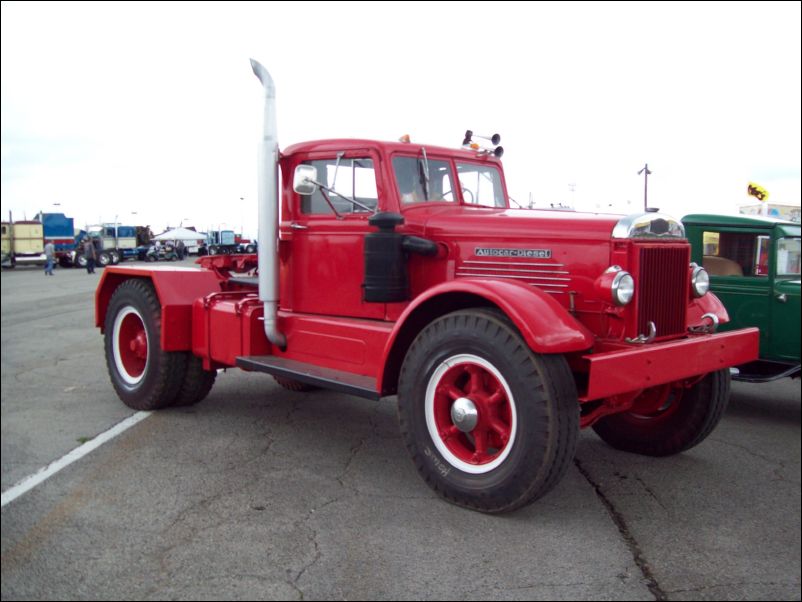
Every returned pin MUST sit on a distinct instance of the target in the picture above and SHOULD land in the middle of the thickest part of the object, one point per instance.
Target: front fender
(707, 304)
(546, 326)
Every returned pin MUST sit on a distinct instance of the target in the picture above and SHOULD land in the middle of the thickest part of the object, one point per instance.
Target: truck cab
(754, 267)
(399, 269)
(115, 242)
(221, 242)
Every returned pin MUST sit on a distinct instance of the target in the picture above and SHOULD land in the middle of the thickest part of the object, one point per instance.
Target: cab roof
(751, 221)
(383, 147)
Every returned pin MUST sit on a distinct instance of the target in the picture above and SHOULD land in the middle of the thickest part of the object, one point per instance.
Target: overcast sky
(114, 108)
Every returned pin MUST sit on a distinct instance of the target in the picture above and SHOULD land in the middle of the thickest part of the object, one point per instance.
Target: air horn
(468, 142)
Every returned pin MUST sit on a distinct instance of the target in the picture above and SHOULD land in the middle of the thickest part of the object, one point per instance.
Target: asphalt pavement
(262, 493)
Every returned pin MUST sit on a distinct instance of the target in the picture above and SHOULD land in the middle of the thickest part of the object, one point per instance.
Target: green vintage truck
(753, 264)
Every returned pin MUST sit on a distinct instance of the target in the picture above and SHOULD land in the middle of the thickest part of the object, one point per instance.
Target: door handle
(296, 226)
(782, 298)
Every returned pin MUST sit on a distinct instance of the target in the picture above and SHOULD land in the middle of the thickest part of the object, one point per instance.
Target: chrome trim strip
(469, 275)
(534, 265)
(472, 267)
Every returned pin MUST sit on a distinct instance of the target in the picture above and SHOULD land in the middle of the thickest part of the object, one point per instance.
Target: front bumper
(643, 366)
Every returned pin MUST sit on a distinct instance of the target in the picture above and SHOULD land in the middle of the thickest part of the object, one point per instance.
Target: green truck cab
(754, 268)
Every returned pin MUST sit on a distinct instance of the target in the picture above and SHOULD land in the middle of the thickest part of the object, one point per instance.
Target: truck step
(311, 374)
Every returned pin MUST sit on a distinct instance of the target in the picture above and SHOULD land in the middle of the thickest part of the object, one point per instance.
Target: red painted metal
(544, 324)
(347, 344)
(556, 293)
(133, 344)
(640, 367)
(226, 325)
(493, 430)
(657, 403)
(662, 288)
(709, 304)
(226, 266)
(176, 287)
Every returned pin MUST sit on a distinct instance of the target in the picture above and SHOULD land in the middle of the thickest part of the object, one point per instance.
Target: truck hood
(515, 224)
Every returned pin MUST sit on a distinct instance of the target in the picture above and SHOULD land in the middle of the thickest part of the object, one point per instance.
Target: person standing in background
(50, 255)
(90, 254)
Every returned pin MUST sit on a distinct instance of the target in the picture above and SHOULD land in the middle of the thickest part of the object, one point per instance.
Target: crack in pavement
(703, 588)
(629, 539)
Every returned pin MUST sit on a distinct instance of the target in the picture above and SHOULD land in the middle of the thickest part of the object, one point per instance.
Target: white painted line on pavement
(48, 471)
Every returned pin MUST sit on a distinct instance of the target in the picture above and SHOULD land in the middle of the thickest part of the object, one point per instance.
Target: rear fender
(176, 289)
(546, 326)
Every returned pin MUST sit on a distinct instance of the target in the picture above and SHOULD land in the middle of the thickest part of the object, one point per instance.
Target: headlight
(623, 288)
(700, 281)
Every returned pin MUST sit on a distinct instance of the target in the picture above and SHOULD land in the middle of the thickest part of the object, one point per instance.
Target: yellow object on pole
(757, 191)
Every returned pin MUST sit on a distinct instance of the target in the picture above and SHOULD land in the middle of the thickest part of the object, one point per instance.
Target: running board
(311, 374)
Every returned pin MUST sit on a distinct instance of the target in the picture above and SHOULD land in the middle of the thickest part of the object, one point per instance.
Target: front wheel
(669, 419)
(144, 376)
(489, 424)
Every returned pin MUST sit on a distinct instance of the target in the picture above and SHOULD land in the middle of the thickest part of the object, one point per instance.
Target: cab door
(737, 260)
(785, 302)
(326, 232)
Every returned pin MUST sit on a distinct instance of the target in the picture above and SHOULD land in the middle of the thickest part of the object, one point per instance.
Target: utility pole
(646, 173)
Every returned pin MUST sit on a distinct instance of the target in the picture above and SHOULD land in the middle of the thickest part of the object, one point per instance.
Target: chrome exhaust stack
(268, 210)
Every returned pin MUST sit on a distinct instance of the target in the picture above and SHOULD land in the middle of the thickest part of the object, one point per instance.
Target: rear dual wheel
(489, 424)
(144, 376)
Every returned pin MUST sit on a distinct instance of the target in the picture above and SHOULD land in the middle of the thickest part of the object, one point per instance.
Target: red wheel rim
(477, 383)
(130, 345)
(656, 404)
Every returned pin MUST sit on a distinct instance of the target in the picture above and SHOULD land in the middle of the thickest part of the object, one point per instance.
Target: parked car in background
(754, 267)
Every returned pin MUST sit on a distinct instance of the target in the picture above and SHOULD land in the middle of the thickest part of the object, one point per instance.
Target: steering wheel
(469, 193)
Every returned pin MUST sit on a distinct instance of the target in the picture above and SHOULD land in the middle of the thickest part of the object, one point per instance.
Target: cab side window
(350, 178)
(736, 254)
(788, 257)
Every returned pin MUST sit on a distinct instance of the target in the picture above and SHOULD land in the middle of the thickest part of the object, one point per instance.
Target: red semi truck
(400, 269)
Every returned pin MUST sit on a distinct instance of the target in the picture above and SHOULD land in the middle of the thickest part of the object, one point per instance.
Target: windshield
(481, 185)
(788, 254)
(420, 180)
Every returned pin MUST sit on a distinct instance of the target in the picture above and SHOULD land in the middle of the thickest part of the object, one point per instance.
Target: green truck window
(788, 254)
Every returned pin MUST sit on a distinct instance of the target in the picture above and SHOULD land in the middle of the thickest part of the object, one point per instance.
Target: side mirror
(304, 180)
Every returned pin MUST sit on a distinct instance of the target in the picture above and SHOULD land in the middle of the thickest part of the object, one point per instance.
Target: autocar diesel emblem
(526, 253)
